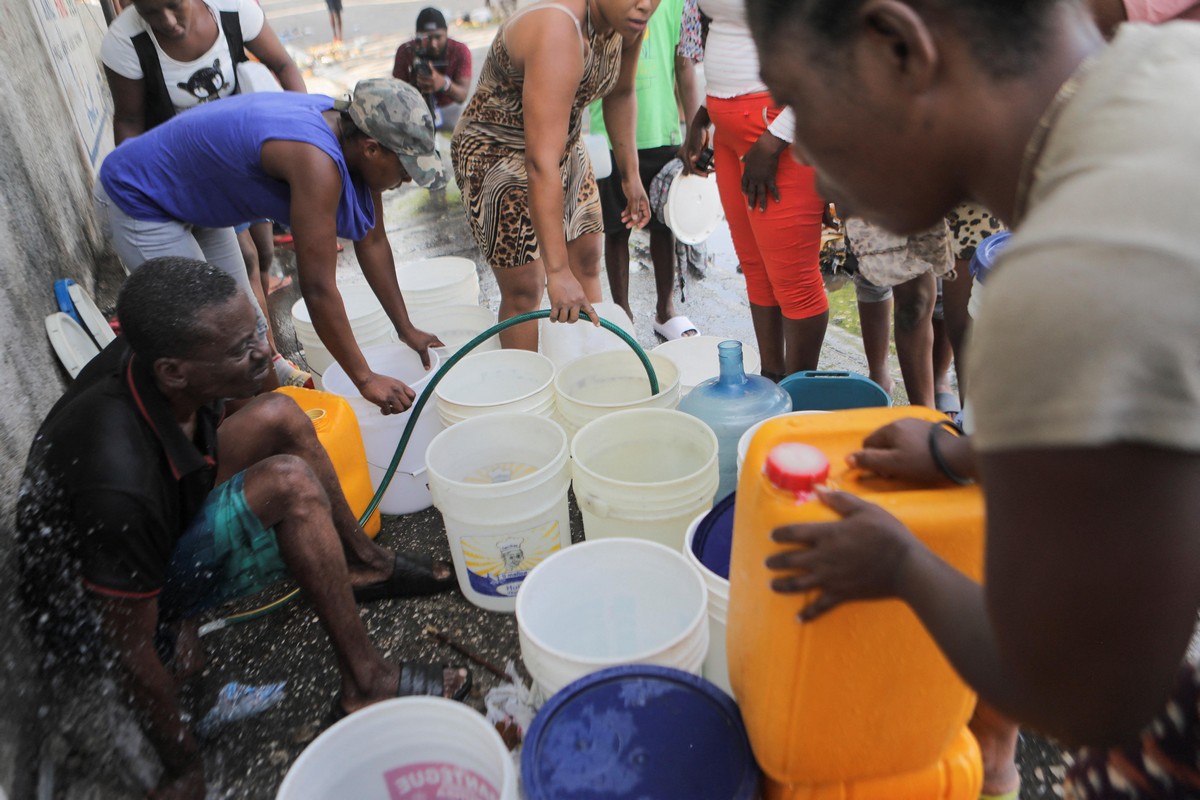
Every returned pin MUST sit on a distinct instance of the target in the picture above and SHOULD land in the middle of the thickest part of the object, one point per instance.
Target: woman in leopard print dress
(526, 180)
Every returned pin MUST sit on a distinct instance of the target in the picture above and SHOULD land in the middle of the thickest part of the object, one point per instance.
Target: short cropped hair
(159, 305)
(1006, 35)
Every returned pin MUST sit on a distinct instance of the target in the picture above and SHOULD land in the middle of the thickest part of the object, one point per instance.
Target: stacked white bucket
(407, 747)
(368, 321)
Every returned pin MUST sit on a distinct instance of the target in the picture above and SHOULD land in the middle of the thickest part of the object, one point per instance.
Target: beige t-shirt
(1089, 332)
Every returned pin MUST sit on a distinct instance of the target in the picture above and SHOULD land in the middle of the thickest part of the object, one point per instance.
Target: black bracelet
(936, 454)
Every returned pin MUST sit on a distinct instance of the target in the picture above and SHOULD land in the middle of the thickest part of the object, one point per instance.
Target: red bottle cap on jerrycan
(796, 468)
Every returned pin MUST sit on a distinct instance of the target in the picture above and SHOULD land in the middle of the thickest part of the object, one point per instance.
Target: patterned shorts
(969, 225)
(224, 554)
(885, 259)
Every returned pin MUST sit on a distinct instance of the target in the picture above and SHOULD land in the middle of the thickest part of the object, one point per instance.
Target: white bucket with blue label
(501, 484)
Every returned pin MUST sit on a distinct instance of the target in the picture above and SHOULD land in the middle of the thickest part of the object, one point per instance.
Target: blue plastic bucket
(986, 254)
(638, 732)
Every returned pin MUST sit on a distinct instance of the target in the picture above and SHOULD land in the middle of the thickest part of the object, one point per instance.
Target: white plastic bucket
(438, 282)
(715, 668)
(501, 484)
(408, 491)
(601, 604)
(410, 747)
(594, 385)
(697, 360)
(456, 325)
(644, 473)
(368, 322)
(563, 344)
(743, 446)
(499, 381)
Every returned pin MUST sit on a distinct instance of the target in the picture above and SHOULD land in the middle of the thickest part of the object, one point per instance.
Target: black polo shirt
(110, 485)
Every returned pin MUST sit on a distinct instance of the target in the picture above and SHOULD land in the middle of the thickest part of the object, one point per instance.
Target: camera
(704, 161)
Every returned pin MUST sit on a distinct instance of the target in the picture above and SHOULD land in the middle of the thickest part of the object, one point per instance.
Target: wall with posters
(54, 130)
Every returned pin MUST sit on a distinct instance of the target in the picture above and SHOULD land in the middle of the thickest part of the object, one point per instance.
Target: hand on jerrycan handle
(859, 557)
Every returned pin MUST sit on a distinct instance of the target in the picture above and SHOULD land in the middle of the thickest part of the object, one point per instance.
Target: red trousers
(779, 248)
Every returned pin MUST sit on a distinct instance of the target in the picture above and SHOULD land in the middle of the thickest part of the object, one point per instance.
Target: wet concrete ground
(249, 759)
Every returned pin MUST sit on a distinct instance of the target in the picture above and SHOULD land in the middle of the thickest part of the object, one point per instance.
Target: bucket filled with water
(408, 492)
(594, 385)
(602, 604)
(644, 473)
(410, 748)
(499, 381)
(501, 484)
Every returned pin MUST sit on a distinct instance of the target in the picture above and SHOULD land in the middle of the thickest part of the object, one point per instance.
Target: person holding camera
(438, 66)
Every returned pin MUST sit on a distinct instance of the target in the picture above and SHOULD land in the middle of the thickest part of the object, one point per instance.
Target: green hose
(417, 408)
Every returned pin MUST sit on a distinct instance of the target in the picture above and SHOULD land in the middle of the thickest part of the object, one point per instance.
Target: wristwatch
(449, 83)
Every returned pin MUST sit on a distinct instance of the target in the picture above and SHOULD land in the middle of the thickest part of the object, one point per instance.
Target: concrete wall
(47, 231)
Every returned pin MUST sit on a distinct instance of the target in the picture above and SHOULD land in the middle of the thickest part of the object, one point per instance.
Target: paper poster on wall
(69, 28)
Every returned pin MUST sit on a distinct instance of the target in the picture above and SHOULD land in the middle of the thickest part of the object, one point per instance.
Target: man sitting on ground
(137, 512)
(438, 66)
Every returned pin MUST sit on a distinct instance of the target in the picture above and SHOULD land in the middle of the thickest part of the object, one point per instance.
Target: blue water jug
(732, 402)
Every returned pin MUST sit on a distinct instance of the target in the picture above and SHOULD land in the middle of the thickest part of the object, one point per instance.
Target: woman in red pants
(770, 201)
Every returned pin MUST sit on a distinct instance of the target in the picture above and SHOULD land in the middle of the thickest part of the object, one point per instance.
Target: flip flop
(675, 328)
(279, 283)
(412, 576)
(416, 680)
(947, 403)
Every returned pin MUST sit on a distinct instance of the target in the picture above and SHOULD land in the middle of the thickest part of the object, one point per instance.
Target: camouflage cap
(396, 115)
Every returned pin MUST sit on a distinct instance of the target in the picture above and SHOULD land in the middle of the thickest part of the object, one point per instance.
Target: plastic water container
(981, 264)
(707, 544)
(368, 322)
(410, 747)
(499, 381)
(743, 445)
(602, 604)
(408, 491)
(563, 344)
(693, 209)
(860, 702)
(697, 359)
(599, 154)
(638, 733)
(455, 326)
(833, 390)
(438, 282)
(732, 402)
(337, 430)
(501, 484)
(594, 385)
(644, 473)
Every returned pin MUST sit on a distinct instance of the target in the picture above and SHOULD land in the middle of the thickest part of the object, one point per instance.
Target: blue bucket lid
(639, 732)
(986, 254)
(713, 538)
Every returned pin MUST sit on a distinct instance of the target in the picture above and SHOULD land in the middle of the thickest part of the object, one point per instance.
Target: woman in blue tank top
(304, 160)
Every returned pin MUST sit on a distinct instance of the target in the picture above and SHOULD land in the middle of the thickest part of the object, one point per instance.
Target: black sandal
(412, 576)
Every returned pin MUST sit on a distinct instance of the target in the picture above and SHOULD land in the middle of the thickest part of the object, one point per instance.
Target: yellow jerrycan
(337, 430)
(859, 704)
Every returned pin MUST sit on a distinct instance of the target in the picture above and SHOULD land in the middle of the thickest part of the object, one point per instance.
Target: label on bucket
(496, 565)
(434, 780)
